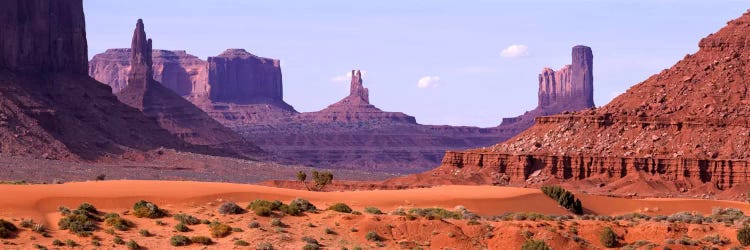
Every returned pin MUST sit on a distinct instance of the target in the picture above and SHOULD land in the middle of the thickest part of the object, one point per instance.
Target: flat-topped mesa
(237, 76)
(42, 36)
(572, 86)
(357, 89)
(175, 69)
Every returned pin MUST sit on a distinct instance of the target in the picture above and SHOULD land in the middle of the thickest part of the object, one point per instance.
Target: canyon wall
(43, 36)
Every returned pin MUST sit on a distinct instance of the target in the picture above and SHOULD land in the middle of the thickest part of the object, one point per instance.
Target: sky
(466, 62)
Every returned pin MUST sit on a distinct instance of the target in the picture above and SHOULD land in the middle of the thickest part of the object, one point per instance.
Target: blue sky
(454, 47)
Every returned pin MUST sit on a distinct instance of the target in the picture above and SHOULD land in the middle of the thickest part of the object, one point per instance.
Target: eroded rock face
(43, 36)
(177, 70)
(572, 86)
(236, 76)
(686, 125)
(171, 111)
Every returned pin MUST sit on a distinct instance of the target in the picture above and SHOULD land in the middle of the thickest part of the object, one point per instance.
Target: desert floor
(202, 199)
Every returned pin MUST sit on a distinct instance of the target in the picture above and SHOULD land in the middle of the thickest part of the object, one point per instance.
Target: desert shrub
(435, 213)
(203, 240)
(7, 229)
(341, 208)
(88, 208)
(473, 223)
(329, 231)
(687, 241)
(310, 246)
(241, 243)
(230, 208)
(276, 222)
(36, 227)
(303, 205)
(180, 227)
(70, 243)
(219, 230)
(722, 214)
(290, 210)
(40, 247)
(179, 240)
(145, 209)
(77, 223)
(132, 245)
(145, 233)
(322, 179)
(118, 240)
(743, 235)
(262, 211)
(564, 197)
(373, 210)
(272, 205)
(186, 219)
(237, 230)
(607, 237)
(264, 246)
(310, 240)
(58, 243)
(373, 236)
(716, 239)
(535, 245)
(117, 222)
(253, 224)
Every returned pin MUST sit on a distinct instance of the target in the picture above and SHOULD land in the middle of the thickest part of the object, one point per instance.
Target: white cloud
(428, 81)
(346, 76)
(515, 50)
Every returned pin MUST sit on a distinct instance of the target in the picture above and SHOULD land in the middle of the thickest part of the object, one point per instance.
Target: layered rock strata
(686, 126)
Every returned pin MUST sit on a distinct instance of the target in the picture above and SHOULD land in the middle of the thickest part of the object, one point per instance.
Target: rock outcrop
(355, 108)
(49, 107)
(572, 86)
(686, 127)
(236, 76)
(41, 36)
(171, 111)
(175, 69)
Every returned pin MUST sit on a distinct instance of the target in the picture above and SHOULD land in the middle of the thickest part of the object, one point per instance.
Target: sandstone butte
(169, 110)
(351, 133)
(49, 107)
(685, 129)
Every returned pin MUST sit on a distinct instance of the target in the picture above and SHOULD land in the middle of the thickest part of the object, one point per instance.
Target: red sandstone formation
(49, 107)
(355, 108)
(171, 111)
(684, 129)
(177, 70)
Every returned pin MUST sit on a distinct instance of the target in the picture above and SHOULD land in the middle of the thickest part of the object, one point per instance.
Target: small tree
(608, 237)
(322, 179)
(743, 236)
(302, 177)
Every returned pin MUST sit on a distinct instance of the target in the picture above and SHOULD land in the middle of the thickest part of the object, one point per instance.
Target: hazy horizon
(468, 64)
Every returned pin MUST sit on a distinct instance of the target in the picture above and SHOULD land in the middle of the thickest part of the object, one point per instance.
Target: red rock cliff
(43, 36)
(570, 87)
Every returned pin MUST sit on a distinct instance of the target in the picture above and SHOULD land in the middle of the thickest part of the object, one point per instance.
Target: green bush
(70, 243)
(145, 209)
(264, 246)
(322, 179)
(241, 243)
(290, 210)
(88, 208)
(230, 208)
(58, 243)
(743, 235)
(608, 237)
(373, 236)
(219, 230)
(563, 197)
(303, 205)
(132, 245)
(7, 229)
(435, 213)
(77, 223)
(340, 207)
(114, 220)
(276, 222)
(203, 240)
(179, 240)
(186, 219)
(264, 203)
(262, 211)
(181, 227)
(535, 245)
(373, 210)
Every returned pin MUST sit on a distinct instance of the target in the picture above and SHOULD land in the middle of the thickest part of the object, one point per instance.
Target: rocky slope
(682, 130)
(171, 111)
(49, 107)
